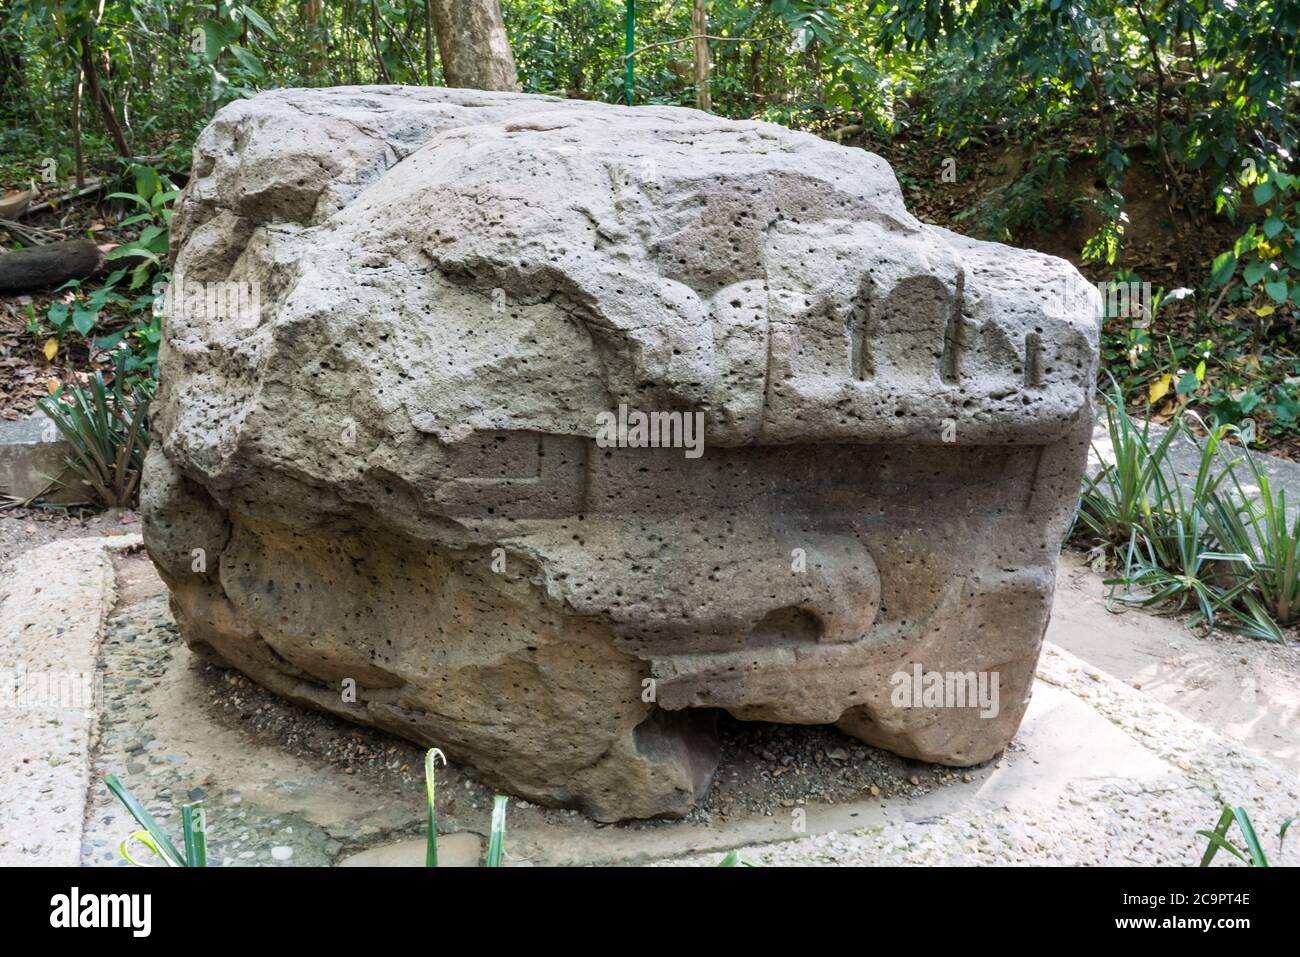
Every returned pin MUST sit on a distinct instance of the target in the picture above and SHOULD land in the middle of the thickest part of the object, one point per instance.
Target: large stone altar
(378, 487)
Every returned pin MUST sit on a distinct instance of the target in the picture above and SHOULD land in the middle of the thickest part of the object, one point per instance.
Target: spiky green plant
(1166, 560)
(1118, 501)
(1259, 540)
(107, 428)
(1214, 547)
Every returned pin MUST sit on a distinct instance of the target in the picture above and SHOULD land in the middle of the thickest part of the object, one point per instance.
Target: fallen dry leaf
(1159, 388)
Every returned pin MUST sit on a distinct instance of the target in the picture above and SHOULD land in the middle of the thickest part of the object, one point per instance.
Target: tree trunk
(313, 12)
(700, 27)
(374, 43)
(77, 154)
(428, 42)
(472, 45)
(100, 97)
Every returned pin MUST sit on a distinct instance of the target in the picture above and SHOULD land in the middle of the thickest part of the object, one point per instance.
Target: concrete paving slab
(50, 690)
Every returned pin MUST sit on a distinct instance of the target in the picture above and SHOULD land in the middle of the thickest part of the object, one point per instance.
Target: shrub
(1213, 546)
(108, 429)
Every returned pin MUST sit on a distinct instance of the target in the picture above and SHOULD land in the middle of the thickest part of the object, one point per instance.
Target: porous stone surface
(385, 473)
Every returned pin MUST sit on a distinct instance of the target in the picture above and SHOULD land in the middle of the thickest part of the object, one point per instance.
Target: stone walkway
(49, 638)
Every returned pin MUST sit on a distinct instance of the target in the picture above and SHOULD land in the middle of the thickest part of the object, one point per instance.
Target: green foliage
(153, 195)
(1240, 373)
(82, 313)
(126, 306)
(496, 833)
(1164, 560)
(108, 429)
(1253, 852)
(1228, 556)
(1202, 85)
(1259, 538)
(1268, 251)
(1037, 199)
(735, 859)
(153, 837)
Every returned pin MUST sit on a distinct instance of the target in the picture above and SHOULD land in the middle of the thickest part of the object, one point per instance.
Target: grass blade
(1248, 833)
(431, 758)
(496, 838)
(1281, 834)
(194, 821)
(165, 848)
(1218, 838)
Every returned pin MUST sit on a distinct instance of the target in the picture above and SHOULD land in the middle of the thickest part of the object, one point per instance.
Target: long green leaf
(431, 758)
(194, 821)
(145, 819)
(496, 838)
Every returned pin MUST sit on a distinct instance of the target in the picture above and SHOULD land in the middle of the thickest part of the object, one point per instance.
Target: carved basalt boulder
(410, 456)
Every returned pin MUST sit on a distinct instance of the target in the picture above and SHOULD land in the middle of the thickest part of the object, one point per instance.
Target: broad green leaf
(133, 197)
(83, 320)
(1225, 264)
(256, 20)
(1254, 271)
(1264, 192)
